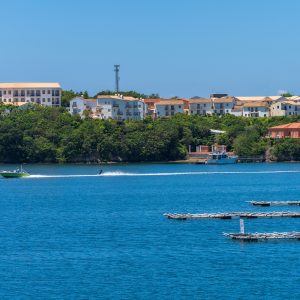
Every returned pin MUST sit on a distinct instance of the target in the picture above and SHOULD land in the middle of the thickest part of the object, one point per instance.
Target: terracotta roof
(227, 99)
(294, 98)
(287, 126)
(255, 104)
(258, 98)
(199, 100)
(29, 85)
(291, 103)
(117, 97)
(170, 102)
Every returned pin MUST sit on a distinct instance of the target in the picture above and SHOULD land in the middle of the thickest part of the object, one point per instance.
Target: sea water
(68, 233)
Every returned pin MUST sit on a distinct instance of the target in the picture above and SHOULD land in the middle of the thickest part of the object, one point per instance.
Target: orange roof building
(291, 130)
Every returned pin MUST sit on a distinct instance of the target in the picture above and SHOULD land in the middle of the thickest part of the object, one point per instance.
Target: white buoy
(242, 226)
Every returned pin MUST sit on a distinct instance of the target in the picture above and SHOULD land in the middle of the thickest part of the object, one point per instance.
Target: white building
(121, 108)
(47, 94)
(255, 109)
(78, 105)
(166, 108)
(223, 105)
(200, 106)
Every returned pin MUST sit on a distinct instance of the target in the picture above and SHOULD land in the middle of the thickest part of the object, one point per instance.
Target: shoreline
(187, 161)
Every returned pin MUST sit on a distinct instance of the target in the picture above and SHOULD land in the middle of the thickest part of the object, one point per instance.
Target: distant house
(291, 130)
(121, 108)
(200, 106)
(285, 108)
(78, 105)
(171, 107)
(255, 109)
(151, 108)
(223, 105)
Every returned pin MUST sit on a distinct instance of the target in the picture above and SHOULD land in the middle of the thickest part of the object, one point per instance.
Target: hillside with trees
(44, 134)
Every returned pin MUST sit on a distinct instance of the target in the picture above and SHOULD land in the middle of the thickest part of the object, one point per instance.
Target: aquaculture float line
(233, 215)
(275, 203)
(264, 236)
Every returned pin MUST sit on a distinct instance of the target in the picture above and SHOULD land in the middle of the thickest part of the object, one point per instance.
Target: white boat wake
(119, 174)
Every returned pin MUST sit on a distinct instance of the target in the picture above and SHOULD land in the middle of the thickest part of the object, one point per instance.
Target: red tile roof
(287, 126)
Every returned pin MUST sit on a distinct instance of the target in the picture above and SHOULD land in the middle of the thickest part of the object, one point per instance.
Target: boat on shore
(18, 173)
(221, 157)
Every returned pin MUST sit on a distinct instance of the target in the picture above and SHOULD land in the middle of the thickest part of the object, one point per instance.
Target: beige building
(47, 94)
(285, 108)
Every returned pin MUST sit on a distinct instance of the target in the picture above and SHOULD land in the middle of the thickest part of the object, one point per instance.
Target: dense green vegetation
(44, 134)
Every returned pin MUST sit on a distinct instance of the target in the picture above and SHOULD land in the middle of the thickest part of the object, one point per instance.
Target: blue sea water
(68, 234)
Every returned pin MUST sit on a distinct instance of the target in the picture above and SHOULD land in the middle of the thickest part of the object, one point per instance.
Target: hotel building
(47, 94)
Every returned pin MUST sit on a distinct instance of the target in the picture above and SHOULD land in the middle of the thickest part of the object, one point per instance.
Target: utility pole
(117, 68)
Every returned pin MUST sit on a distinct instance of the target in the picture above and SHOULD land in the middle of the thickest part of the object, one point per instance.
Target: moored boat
(221, 157)
(18, 173)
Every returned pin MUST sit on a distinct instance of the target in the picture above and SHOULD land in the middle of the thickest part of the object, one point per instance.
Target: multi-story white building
(166, 108)
(78, 105)
(47, 94)
(200, 106)
(223, 105)
(255, 109)
(121, 108)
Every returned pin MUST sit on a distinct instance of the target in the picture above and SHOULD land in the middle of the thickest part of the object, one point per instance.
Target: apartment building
(285, 108)
(119, 107)
(255, 109)
(78, 105)
(200, 106)
(46, 94)
(223, 105)
(166, 108)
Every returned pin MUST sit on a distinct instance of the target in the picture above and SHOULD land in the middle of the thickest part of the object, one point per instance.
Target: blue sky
(170, 47)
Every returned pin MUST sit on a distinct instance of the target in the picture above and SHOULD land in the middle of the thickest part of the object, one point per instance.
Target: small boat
(15, 173)
(221, 157)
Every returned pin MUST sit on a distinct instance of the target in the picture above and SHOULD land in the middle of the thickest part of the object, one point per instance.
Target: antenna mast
(117, 68)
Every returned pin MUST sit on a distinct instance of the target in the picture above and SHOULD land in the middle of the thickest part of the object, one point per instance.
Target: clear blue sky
(173, 47)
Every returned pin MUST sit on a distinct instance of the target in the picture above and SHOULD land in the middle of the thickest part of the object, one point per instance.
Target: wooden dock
(255, 237)
(233, 215)
(275, 203)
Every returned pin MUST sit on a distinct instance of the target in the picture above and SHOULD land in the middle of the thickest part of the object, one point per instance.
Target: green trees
(45, 134)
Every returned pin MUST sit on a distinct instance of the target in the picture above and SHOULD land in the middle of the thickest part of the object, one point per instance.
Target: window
(43, 99)
(44, 92)
(48, 99)
(22, 93)
(38, 93)
(48, 92)
(179, 106)
(9, 92)
(4, 92)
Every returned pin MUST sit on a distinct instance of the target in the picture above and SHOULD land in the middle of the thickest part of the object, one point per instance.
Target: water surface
(70, 234)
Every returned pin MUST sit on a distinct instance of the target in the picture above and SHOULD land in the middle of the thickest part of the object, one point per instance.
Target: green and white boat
(18, 173)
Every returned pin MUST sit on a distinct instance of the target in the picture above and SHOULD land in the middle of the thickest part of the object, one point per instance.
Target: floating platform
(275, 203)
(255, 237)
(233, 215)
